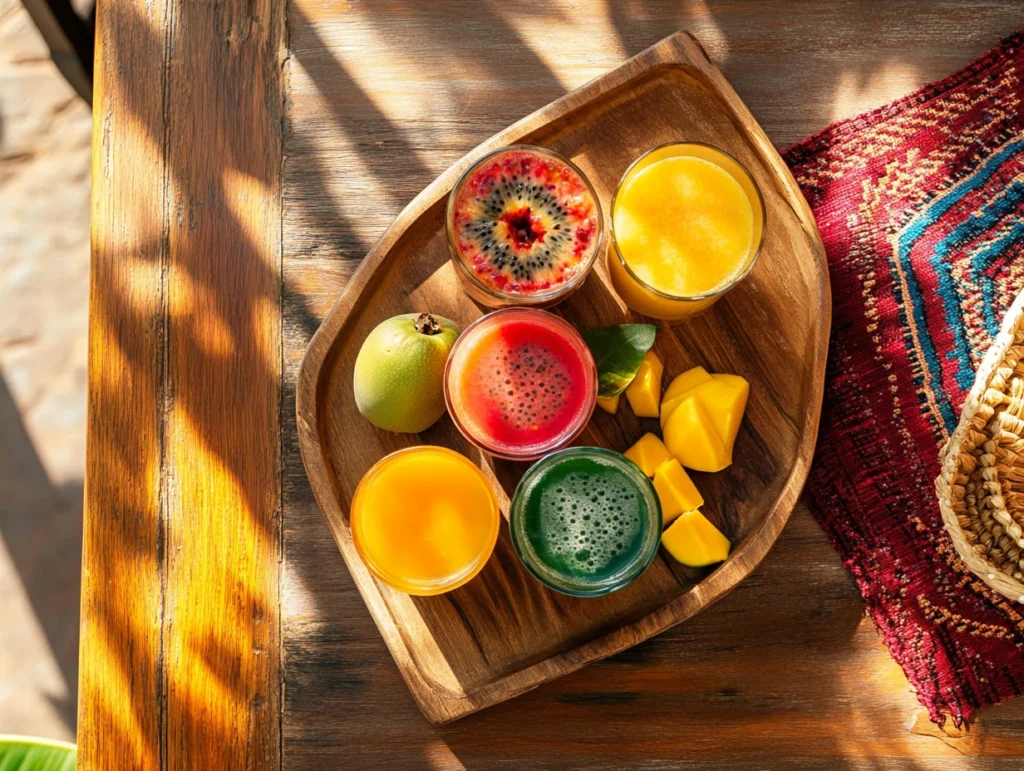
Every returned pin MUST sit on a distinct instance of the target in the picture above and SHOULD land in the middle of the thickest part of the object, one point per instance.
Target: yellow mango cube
(609, 404)
(694, 541)
(648, 453)
(691, 438)
(644, 392)
(685, 382)
(668, 406)
(724, 399)
(676, 491)
(679, 388)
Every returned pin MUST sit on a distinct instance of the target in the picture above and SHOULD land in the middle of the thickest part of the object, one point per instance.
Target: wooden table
(246, 155)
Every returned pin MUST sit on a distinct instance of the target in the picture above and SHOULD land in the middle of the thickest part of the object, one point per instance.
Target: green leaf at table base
(618, 352)
(23, 753)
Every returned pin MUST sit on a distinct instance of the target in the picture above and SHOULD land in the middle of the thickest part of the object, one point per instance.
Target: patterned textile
(920, 207)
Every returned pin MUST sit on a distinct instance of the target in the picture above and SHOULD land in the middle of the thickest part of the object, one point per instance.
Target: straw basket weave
(981, 487)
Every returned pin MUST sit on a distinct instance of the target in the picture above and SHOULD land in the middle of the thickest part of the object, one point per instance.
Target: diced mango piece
(691, 438)
(644, 392)
(676, 490)
(609, 404)
(648, 453)
(694, 541)
(668, 406)
(681, 386)
(724, 399)
(685, 382)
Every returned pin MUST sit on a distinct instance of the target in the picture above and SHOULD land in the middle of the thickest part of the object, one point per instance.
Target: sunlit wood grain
(191, 296)
(180, 630)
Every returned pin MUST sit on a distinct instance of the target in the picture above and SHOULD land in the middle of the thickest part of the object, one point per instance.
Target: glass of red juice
(524, 228)
(520, 383)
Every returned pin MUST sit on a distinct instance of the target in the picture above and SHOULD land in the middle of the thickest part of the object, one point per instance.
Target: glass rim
(541, 297)
(428, 588)
(629, 572)
(756, 252)
(563, 439)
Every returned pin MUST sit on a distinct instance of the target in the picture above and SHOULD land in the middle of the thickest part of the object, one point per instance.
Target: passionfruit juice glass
(585, 521)
(640, 294)
(520, 383)
(523, 208)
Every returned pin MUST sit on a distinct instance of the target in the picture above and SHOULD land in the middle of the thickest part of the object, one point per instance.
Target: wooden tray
(504, 633)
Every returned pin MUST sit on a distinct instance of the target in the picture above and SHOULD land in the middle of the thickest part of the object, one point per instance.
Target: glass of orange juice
(424, 520)
(687, 225)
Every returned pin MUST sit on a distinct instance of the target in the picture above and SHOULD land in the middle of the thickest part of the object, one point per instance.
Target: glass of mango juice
(687, 226)
(424, 520)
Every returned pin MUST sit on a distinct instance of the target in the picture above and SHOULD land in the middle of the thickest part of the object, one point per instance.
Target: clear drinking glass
(520, 382)
(651, 301)
(424, 520)
(585, 521)
(524, 227)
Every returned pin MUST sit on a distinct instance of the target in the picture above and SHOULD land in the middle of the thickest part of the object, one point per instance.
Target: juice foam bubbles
(520, 383)
(585, 521)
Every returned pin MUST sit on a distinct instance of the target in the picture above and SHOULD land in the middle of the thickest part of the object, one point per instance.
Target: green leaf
(618, 352)
(21, 753)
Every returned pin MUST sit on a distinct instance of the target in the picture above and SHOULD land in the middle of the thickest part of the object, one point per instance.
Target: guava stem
(426, 324)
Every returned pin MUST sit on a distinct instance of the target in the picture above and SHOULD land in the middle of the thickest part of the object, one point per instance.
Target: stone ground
(44, 286)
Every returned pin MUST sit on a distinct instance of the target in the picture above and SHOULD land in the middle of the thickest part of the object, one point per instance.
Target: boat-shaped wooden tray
(503, 632)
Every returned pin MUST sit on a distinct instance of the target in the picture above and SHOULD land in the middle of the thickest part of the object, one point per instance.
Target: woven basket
(981, 487)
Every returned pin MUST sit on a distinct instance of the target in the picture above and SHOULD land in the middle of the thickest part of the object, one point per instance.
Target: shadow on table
(41, 532)
(184, 376)
(343, 695)
(741, 668)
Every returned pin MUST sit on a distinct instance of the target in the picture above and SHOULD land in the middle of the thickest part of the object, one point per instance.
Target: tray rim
(681, 49)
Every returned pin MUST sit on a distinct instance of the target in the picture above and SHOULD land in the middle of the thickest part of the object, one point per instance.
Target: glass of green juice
(585, 521)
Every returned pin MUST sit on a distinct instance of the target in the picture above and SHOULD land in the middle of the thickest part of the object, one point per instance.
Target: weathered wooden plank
(223, 376)
(181, 646)
(772, 671)
(382, 100)
(119, 719)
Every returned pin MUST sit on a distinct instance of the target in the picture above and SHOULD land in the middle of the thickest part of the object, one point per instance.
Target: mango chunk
(676, 491)
(724, 398)
(609, 404)
(691, 438)
(644, 393)
(680, 386)
(648, 453)
(668, 406)
(686, 382)
(694, 541)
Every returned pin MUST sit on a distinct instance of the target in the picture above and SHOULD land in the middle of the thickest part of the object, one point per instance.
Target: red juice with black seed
(520, 383)
(524, 227)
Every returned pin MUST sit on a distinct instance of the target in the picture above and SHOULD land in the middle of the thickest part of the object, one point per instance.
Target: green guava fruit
(399, 373)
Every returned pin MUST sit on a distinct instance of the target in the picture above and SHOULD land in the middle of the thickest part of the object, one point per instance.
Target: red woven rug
(921, 208)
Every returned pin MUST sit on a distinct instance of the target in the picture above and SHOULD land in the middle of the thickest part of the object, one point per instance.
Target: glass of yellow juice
(687, 226)
(425, 520)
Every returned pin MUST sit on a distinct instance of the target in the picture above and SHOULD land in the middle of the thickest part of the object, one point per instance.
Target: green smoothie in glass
(586, 521)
